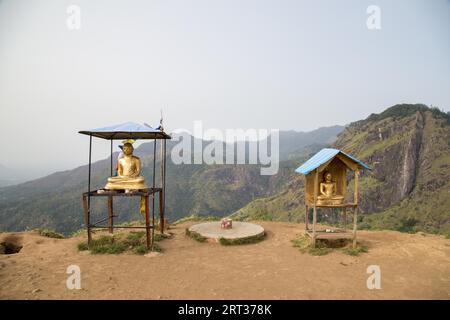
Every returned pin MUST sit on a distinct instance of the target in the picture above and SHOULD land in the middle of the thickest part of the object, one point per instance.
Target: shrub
(407, 225)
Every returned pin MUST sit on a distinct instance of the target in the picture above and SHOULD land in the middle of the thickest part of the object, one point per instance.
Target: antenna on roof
(161, 122)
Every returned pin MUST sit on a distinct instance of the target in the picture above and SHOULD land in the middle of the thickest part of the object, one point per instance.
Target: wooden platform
(110, 194)
(342, 205)
(122, 193)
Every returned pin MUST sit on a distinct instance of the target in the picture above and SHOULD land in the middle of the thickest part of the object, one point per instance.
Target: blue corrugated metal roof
(127, 130)
(126, 127)
(323, 156)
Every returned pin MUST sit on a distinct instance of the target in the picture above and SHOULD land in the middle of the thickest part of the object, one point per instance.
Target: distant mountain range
(8, 177)
(55, 200)
(408, 147)
(12, 176)
(408, 190)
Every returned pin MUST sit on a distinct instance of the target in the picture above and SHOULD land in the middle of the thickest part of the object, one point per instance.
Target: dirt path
(412, 267)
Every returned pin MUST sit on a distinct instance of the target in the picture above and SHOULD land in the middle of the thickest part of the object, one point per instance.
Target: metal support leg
(355, 217)
(147, 222)
(306, 217)
(87, 218)
(314, 227)
(344, 215)
(110, 212)
(161, 211)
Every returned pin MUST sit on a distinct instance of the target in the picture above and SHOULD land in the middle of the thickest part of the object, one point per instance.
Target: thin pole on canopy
(153, 191)
(164, 184)
(162, 163)
(89, 175)
(111, 157)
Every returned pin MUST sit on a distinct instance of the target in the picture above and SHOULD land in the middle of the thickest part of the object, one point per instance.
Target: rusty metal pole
(147, 222)
(111, 158)
(306, 217)
(110, 212)
(153, 190)
(316, 190)
(88, 215)
(163, 189)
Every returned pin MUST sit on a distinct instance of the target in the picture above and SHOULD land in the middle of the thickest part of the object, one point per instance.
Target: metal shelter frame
(135, 131)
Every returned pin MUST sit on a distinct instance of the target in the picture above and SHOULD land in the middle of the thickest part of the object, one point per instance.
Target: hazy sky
(232, 64)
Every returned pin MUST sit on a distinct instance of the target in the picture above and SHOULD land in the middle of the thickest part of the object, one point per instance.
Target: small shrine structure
(326, 187)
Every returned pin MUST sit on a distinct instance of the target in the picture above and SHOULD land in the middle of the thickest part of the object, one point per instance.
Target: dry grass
(195, 235)
(325, 246)
(50, 234)
(134, 241)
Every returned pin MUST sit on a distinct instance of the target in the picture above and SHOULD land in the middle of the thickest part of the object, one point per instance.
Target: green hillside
(408, 147)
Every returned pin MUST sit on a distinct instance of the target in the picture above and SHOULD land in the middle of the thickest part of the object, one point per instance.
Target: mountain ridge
(408, 190)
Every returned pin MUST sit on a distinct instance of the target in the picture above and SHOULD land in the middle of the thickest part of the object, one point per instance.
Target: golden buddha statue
(128, 172)
(328, 190)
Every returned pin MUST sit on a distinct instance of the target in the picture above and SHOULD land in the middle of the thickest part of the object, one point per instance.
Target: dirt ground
(413, 266)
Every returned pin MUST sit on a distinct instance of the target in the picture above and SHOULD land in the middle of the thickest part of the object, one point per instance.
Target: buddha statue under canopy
(128, 172)
(328, 192)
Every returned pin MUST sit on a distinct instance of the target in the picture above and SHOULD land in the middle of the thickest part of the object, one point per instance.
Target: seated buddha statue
(128, 172)
(328, 190)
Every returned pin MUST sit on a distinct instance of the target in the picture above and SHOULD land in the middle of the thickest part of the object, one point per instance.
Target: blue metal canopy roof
(127, 130)
(323, 156)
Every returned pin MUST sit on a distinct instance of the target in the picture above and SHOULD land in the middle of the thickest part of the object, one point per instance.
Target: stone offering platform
(240, 230)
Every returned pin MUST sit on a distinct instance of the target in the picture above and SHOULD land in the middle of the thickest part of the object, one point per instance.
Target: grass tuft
(134, 241)
(325, 246)
(195, 235)
(355, 251)
(83, 246)
(241, 241)
(195, 217)
(78, 233)
(304, 244)
(161, 236)
(50, 234)
(140, 249)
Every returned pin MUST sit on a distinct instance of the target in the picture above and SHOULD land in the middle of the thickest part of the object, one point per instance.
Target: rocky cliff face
(392, 147)
(408, 189)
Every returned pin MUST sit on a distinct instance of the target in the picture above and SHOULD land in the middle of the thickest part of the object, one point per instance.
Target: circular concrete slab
(212, 230)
